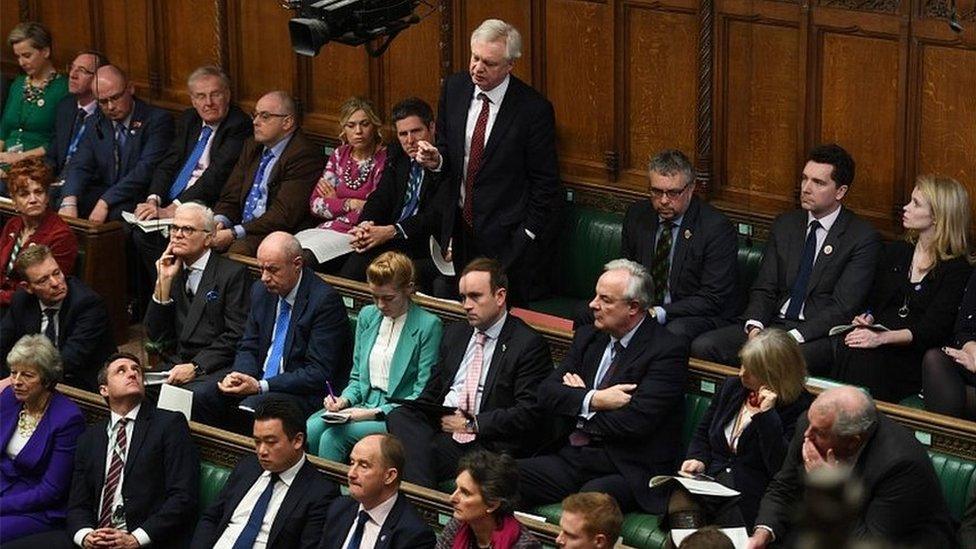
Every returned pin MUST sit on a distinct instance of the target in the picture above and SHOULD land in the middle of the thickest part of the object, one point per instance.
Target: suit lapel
(638, 343)
(506, 114)
(833, 241)
(138, 436)
(460, 114)
(498, 356)
(795, 250)
(101, 454)
(133, 133)
(385, 537)
(199, 301)
(347, 519)
(301, 301)
(404, 349)
(292, 497)
(683, 244)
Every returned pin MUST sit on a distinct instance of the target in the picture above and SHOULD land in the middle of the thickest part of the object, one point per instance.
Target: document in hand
(336, 417)
(176, 399)
(147, 225)
(696, 486)
(325, 244)
(844, 328)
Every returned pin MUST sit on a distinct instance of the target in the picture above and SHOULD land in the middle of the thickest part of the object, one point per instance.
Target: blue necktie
(357, 534)
(273, 365)
(799, 291)
(413, 191)
(120, 137)
(191, 164)
(254, 196)
(253, 526)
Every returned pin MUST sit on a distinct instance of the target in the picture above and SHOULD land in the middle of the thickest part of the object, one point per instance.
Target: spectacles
(185, 230)
(265, 116)
(113, 99)
(670, 193)
(78, 68)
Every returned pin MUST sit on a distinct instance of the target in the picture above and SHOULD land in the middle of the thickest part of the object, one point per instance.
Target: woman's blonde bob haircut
(949, 202)
(775, 359)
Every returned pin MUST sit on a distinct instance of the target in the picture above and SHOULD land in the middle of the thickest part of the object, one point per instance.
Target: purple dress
(34, 486)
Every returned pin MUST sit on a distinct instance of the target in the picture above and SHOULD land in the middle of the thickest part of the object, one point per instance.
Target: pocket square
(213, 295)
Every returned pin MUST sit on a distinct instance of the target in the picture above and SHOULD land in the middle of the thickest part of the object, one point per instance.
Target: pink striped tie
(114, 475)
(469, 395)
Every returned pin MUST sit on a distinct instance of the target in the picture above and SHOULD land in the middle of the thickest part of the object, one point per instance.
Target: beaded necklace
(35, 93)
(362, 172)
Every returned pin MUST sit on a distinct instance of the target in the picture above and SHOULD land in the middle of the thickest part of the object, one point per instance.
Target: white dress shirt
(238, 520)
(495, 96)
(381, 355)
(453, 397)
(290, 298)
(371, 530)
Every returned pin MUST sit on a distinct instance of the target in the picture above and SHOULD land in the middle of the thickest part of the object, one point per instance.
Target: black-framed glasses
(265, 116)
(185, 230)
(670, 193)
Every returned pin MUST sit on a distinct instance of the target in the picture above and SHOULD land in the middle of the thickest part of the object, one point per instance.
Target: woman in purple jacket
(39, 428)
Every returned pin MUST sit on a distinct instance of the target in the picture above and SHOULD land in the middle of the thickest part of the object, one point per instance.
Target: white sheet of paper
(147, 225)
(739, 536)
(156, 378)
(446, 268)
(325, 244)
(695, 486)
(176, 399)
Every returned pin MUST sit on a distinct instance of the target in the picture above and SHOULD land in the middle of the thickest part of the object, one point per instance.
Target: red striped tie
(114, 475)
(474, 158)
(469, 393)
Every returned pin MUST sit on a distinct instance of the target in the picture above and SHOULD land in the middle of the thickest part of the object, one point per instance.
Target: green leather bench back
(695, 406)
(956, 476)
(212, 480)
(589, 240)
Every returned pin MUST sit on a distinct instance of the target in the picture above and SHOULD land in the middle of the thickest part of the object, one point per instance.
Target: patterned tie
(412, 198)
(474, 158)
(357, 534)
(114, 475)
(662, 262)
(273, 365)
(51, 330)
(120, 139)
(192, 280)
(191, 164)
(799, 292)
(250, 532)
(579, 437)
(469, 394)
(256, 192)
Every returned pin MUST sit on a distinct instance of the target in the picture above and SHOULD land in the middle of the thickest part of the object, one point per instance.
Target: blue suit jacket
(64, 122)
(92, 174)
(413, 360)
(36, 482)
(402, 529)
(315, 347)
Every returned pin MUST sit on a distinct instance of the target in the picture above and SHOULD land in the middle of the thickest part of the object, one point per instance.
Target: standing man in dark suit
(268, 189)
(496, 144)
(114, 163)
(136, 472)
(375, 515)
(621, 391)
(64, 309)
(200, 302)
(489, 370)
(296, 340)
(688, 246)
(816, 271)
(903, 498)
(401, 214)
(274, 499)
(208, 142)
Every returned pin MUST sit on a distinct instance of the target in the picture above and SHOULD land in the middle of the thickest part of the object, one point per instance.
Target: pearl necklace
(27, 422)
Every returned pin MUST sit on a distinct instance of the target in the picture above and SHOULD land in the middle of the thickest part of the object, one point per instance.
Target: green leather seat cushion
(212, 480)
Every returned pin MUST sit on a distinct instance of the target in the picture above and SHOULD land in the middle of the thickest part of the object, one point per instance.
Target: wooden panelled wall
(746, 86)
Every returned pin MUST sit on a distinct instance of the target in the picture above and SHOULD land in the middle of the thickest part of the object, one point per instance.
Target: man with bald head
(115, 160)
(295, 341)
(269, 187)
(903, 502)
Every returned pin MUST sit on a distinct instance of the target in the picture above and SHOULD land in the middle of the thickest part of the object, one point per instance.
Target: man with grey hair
(496, 143)
(689, 247)
(199, 304)
(620, 392)
(903, 502)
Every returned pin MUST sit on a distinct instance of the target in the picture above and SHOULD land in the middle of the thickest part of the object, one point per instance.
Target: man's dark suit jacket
(643, 438)
(290, 185)
(403, 529)
(224, 151)
(761, 448)
(316, 346)
(903, 498)
(839, 283)
(84, 331)
(203, 329)
(160, 481)
(517, 187)
(385, 203)
(92, 174)
(703, 274)
(299, 520)
(509, 413)
(64, 124)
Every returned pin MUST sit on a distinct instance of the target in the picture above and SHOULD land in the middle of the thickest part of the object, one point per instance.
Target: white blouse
(381, 355)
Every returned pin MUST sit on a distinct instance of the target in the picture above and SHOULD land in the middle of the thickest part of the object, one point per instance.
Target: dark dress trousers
(508, 418)
(403, 528)
(299, 520)
(903, 498)
(93, 173)
(203, 328)
(628, 445)
(517, 187)
(760, 450)
(84, 331)
(703, 274)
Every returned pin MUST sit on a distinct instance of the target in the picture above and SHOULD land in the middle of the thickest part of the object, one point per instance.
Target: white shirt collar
(131, 416)
(290, 298)
(288, 475)
(495, 329)
(625, 341)
(89, 108)
(201, 263)
(497, 93)
(826, 221)
(379, 513)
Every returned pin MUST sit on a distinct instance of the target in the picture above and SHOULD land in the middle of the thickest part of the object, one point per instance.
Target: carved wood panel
(196, 24)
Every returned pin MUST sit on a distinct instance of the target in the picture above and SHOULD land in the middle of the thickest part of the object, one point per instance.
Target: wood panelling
(412, 64)
(124, 36)
(261, 55)
(195, 24)
(338, 73)
(70, 27)
(470, 14)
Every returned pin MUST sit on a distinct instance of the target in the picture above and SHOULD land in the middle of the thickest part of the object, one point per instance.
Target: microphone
(953, 18)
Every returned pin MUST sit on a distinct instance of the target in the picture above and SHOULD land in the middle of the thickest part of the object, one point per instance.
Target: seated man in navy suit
(115, 160)
(620, 391)
(274, 499)
(374, 514)
(295, 341)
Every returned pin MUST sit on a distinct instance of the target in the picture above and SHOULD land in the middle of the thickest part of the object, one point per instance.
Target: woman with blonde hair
(917, 288)
(742, 439)
(397, 345)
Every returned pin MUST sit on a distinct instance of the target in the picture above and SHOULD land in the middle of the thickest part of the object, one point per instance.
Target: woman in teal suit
(397, 345)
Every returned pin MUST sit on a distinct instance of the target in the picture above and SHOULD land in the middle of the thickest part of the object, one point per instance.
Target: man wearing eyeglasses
(200, 301)
(269, 188)
(111, 170)
(688, 246)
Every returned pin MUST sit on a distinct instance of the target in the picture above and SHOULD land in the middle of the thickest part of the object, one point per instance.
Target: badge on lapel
(135, 126)
(213, 295)
(828, 249)
(687, 234)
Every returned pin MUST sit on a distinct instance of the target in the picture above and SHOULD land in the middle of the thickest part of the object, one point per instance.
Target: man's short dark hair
(100, 58)
(413, 106)
(838, 158)
(30, 256)
(497, 276)
(103, 371)
(670, 162)
(274, 407)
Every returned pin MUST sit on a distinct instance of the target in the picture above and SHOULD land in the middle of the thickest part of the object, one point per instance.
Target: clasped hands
(110, 538)
(236, 383)
(606, 399)
(366, 235)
